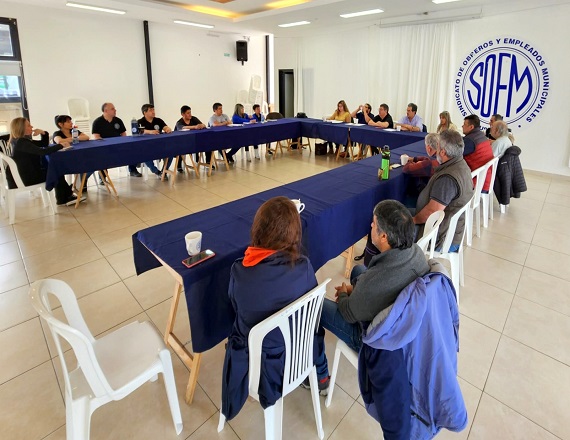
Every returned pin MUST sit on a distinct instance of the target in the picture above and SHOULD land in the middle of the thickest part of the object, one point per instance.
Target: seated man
(421, 168)
(189, 122)
(153, 125)
(411, 122)
(382, 120)
(219, 118)
(449, 189)
(502, 142)
(495, 118)
(108, 125)
(373, 289)
(478, 149)
(362, 110)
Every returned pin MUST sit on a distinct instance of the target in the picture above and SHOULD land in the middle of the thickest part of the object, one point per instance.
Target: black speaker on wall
(241, 51)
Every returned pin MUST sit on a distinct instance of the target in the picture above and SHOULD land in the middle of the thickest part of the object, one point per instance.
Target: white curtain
(395, 66)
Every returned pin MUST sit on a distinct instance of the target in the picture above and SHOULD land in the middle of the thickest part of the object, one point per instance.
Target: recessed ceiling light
(297, 23)
(437, 2)
(361, 13)
(95, 8)
(189, 23)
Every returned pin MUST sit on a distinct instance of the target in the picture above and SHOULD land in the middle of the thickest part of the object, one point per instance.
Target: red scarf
(254, 255)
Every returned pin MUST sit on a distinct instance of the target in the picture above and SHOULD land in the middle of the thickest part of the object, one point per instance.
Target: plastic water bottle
(75, 135)
(134, 126)
(385, 162)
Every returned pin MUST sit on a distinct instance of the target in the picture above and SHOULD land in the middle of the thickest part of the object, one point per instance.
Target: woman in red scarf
(272, 274)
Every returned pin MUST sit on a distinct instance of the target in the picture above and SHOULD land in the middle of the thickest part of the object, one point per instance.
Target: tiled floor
(514, 364)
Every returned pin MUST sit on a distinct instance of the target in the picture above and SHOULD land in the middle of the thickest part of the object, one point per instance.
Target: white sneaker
(248, 156)
(256, 152)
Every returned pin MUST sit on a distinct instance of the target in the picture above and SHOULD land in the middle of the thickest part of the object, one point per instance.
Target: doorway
(286, 92)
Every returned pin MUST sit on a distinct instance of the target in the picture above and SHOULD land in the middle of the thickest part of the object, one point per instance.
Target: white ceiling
(257, 19)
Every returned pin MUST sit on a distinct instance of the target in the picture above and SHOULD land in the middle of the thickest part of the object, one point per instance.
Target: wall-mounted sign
(505, 75)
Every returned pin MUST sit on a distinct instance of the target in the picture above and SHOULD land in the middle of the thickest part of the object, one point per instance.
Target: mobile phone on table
(198, 258)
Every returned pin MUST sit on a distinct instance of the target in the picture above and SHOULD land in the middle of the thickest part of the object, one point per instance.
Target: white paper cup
(355, 120)
(398, 128)
(193, 242)
(299, 205)
(404, 159)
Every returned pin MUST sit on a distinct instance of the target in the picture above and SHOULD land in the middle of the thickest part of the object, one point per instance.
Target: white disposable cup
(355, 120)
(299, 205)
(398, 128)
(193, 242)
(324, 118)
(404, 159)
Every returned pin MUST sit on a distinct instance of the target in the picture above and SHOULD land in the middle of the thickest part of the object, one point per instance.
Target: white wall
(348, 71)
(189, 67)
(101, 57)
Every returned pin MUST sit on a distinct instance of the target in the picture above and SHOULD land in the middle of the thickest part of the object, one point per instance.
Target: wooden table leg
(192, 361)
(108, 182)
(349, 254)
(83, 178)
(194, 166)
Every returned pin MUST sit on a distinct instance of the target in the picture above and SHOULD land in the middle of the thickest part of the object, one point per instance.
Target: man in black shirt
(153, 125)
(189, 122)
(108, 125)
(382, 120)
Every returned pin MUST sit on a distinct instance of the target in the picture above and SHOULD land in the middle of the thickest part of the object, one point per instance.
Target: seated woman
(271, 275)
(445, 122)
(340, 114)
(27, 152)
(241, 117)
(64, 137)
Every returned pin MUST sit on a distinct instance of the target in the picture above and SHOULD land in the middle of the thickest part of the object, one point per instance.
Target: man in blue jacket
(372, 289)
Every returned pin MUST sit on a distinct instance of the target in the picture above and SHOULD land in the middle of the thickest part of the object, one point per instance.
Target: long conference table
(338, 212)
(90, 156)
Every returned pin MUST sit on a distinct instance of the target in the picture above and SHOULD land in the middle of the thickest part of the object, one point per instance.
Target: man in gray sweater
(399, 262)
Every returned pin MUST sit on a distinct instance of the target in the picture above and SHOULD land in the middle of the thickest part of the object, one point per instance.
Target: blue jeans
(332, 320)
(153, 169)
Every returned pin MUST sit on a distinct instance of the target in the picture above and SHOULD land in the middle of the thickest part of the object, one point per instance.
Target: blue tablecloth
(100, 154)
(94, 155)
(378, 138)
(338, 213)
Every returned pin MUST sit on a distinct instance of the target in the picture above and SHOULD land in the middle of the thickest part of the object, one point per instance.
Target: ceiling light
(211, 11)
(297, 23)
(361, 13)
(437, 2)
(189, 23)
(95, 8)
(279, 4)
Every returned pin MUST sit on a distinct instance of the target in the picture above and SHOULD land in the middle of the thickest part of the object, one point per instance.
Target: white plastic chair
(431, 230)
(255, 82)
(5, 148)
(10, 193)
(79, 111)
(78, 108)
(455, 258)
(351, 356)
(298, 323)
(2, 176)
(110, 367)
(475, 209)
(254, 96)
(487, 199)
